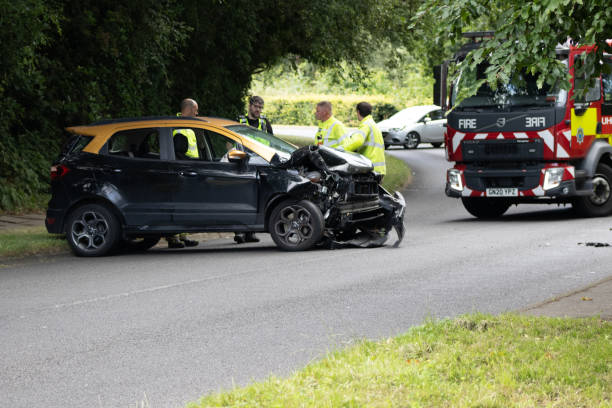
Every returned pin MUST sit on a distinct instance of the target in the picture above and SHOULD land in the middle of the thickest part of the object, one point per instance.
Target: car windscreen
(263, 138)
(409, 115)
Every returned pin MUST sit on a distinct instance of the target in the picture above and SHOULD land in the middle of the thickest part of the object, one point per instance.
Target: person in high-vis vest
(255, 119)
(331, 132)
(189, 108)
(368, 139)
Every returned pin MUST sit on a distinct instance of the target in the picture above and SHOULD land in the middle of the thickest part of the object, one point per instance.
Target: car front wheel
(296, 225)
(92, 230)
(412, 140)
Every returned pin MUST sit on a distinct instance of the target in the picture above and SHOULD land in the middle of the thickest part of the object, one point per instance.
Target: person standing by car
(331, 132)
(255, 119)
(368, 139)
(189, 108)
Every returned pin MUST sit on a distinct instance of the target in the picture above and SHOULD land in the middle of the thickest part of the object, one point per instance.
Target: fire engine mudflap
(532, 145)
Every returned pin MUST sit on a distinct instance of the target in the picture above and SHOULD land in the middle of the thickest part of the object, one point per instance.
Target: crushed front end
(357, 211)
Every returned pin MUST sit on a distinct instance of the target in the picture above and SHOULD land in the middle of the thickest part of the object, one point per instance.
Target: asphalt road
(163, 328)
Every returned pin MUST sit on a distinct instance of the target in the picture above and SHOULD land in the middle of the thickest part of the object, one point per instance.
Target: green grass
(398, 173)
(29, 241)
(472, 361)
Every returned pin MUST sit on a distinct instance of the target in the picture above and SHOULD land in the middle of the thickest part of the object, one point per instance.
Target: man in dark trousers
(255, 119)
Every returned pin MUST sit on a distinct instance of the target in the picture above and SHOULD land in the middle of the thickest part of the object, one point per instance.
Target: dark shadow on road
(544, 215)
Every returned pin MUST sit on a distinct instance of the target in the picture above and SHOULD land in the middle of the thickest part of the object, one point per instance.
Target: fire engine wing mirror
(440, 86)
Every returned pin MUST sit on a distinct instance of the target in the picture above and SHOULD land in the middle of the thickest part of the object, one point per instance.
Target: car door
(136, 178)
(433, 128)
(211, 192)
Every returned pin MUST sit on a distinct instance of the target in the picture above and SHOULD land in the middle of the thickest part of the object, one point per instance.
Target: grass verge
(471, 361)
(30, 241)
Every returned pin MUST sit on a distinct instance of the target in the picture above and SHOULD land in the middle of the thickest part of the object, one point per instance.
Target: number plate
(502, 192)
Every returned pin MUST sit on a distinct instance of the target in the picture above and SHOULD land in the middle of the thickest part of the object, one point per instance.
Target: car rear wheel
(92, 230)
(486, 208)
(599, 203)
(296, 225)
(436, 145)
(413, 140)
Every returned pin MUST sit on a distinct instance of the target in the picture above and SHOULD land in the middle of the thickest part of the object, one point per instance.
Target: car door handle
(188, 173)
(117, 170)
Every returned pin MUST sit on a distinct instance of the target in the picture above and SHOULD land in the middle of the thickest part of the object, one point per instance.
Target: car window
(437, 114)
(182, 138)
(219, 144)
(75, 144)
(138, 143)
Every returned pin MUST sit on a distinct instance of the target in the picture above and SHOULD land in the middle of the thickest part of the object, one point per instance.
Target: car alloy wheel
(93, 230)
(413, 140)
(296, 225)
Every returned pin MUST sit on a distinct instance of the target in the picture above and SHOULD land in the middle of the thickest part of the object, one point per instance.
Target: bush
(299, 109)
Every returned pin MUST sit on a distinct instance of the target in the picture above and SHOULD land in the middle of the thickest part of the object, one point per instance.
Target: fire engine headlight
(454, 179)
(553, 177)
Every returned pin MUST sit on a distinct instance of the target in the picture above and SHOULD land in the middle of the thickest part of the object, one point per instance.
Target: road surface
(163, 328)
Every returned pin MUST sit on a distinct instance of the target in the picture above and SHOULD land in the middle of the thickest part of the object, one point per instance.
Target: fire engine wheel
(412, 140)
(92, 230)
(599, 203)
(296, 225)
(486, 208)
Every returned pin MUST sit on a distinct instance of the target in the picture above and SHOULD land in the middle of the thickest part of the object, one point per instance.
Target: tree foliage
(68, 62)
(526, 34)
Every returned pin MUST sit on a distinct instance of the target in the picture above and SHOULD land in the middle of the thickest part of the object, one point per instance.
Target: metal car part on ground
(123, 184)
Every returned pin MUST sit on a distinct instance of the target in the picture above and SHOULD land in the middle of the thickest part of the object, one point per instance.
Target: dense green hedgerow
(299, 109)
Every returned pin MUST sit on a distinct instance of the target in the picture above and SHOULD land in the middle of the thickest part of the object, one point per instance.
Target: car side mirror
(426, 120)
(237, 156)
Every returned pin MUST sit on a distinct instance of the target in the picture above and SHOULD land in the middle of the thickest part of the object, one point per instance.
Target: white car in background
(414, 125)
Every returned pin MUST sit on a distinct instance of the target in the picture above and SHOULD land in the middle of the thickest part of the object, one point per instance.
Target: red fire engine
(524, 144)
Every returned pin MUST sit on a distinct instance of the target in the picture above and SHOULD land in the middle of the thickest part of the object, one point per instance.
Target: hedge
(299, 109)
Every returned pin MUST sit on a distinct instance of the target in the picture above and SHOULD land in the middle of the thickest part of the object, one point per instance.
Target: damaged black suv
(125, 183)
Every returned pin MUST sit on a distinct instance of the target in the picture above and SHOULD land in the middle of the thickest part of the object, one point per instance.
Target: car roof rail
(143, 119)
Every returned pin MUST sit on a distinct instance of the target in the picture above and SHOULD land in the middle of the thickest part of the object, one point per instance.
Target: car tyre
(486, 208)
(296, 225)
(92, 230)
(599, 203)
(413, 140)
(436, 145)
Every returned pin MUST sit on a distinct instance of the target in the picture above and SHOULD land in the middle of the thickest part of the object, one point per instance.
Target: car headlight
(553, 177)
(454, 179)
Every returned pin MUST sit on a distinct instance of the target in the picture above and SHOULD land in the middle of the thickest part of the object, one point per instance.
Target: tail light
(58, 171)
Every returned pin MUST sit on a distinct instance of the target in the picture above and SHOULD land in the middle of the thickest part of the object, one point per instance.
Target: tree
(68, 62)
(526, 34)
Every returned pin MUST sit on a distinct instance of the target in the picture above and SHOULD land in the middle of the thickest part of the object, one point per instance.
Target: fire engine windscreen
(520, 91)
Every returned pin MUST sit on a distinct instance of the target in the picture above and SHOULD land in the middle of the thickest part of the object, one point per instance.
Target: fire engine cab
(524, 144)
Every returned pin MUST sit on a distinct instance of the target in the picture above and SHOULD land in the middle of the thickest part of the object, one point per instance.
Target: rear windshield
(75, 144)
